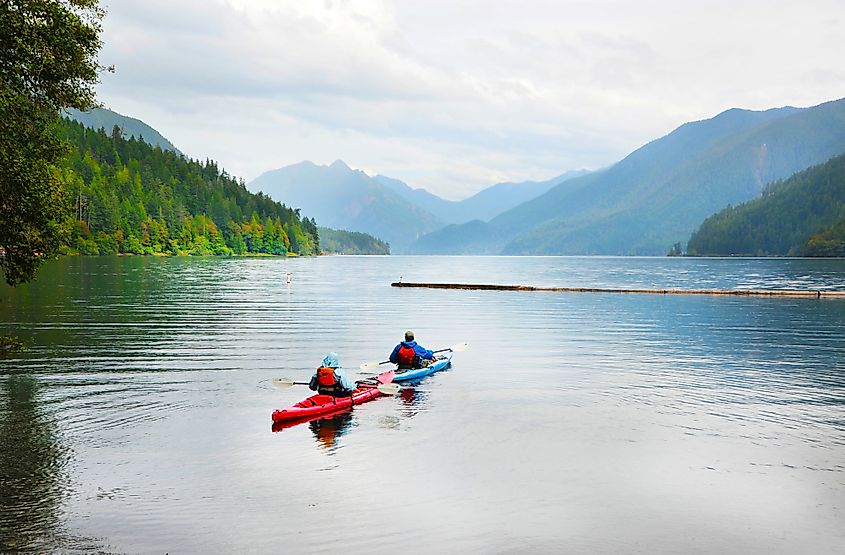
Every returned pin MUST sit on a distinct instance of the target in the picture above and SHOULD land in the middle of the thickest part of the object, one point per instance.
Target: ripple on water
(144, 407)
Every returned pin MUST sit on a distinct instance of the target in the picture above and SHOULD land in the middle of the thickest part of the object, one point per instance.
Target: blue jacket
(421, 351)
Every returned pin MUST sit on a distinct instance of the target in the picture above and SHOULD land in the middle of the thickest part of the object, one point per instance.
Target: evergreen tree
(136, 199)
(804, 215)
(48, 52)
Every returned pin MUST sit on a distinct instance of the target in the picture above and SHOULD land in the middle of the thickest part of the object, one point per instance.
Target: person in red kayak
(408, 354)
(330, 379)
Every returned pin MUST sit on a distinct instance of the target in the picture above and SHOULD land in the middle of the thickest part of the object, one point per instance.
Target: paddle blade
(388, 388)
(283, 383)
(459, 347)
(369, 366)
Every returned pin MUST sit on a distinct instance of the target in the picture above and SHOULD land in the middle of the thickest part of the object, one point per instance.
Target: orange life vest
(325, 377)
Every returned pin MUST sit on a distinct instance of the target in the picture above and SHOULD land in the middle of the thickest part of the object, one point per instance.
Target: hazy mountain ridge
(103, 118)
(389, 209)
(656, 196)
(484, 205)
(342, 198)
(659, 193)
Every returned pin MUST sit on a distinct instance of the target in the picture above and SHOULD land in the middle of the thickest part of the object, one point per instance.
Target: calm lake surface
(139, 420)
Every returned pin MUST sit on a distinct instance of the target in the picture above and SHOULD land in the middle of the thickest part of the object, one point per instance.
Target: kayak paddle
(386, 388)
(285, 383)
(389, 388)
(457, 348)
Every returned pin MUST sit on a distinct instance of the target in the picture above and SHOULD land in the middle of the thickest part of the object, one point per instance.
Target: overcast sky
(454, 96)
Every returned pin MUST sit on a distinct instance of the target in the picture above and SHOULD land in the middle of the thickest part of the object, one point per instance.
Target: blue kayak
(442, 362)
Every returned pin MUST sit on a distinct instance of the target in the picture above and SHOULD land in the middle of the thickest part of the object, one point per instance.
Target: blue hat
(331, 361)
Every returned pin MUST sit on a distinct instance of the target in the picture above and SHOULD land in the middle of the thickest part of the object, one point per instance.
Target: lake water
(139, 419)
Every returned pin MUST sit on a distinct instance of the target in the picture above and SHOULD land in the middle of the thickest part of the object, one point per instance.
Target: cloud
(453, 96)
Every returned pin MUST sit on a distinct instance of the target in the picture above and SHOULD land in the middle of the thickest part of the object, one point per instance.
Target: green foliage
(10, 346)
(675, 250)
(131, 198)
(804, 215)
(48, 62)
(350, 242)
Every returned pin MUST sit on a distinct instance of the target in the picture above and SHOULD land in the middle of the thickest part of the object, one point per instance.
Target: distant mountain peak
(340, 165)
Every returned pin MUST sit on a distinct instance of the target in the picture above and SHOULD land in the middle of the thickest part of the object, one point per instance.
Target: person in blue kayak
(330, 379)
(409, 354)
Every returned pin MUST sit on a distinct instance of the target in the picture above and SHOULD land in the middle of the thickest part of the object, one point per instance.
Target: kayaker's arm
(394, 356)
(423, 352)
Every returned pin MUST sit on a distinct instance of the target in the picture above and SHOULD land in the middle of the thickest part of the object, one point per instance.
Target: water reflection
(31, 463)
(413, 401)
(663, 409)
(327, 429)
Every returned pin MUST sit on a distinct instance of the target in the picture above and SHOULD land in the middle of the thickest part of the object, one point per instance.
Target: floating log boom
(817, 294)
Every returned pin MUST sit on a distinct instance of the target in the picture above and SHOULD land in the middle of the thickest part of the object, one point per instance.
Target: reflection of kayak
(340, 420)
(324, 404)
(279, 425)
(439, 364)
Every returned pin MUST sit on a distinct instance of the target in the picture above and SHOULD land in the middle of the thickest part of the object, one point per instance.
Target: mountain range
(661, 192)
(653, 198)
(340, 197)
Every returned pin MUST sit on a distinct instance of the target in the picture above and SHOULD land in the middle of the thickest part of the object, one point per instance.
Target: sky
(454, 96)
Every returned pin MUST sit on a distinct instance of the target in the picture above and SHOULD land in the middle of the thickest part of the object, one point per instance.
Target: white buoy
(289, 278)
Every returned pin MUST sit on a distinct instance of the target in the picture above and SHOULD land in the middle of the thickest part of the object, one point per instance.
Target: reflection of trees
(31, 461)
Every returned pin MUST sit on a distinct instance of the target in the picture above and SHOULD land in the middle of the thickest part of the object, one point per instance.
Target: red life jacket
(407, 357)
(325, 377)
(328, 384)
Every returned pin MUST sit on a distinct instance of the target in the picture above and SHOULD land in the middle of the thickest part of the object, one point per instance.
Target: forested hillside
(803, 215)
(130, 197)
(335, 241)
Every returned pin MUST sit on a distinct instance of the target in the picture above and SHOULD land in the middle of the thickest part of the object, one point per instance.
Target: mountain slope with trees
(658, 194)
(803, 215)
(130, 197)
(103, 118)
(335, 241)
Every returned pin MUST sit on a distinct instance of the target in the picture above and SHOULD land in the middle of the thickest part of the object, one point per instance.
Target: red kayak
(324, 404)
